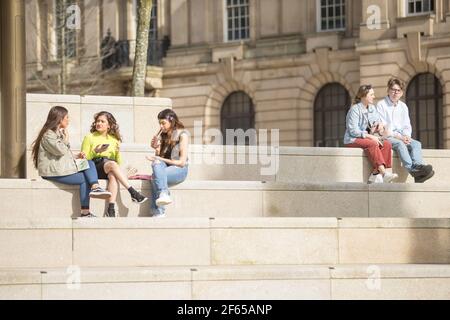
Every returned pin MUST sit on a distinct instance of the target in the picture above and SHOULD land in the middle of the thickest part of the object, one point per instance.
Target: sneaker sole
(390, 180)
(163, 203)
(100, 195)
(159, 216)
(135, 201)
(423, 179)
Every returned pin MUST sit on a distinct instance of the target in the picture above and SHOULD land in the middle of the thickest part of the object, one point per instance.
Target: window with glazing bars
(332, 14)
(330, 109)
(420, 6)
(237, 113)
(425, 102)
(238, 20)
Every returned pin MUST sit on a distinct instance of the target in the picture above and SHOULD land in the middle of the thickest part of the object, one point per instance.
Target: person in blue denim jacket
(364, 129)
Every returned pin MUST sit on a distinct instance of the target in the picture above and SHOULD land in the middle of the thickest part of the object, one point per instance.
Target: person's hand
(100, 148)
(156, 143)
(375, 138)
(81, 155)
(406, 140)
(65, 134)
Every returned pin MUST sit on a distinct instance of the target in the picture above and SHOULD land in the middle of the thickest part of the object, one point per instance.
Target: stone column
(179, 22)
(13, 111)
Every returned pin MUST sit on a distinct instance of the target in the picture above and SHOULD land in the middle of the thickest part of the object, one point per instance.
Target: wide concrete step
(39, 198)
(132, 242)
(271, 282)
(281, 164)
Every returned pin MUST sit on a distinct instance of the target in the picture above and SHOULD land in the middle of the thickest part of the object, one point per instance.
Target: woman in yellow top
(102, 146)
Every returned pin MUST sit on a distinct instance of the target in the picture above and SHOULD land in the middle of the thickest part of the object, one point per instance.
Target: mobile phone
(105, 145)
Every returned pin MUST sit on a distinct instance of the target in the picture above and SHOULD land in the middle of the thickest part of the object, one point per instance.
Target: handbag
(82, 164)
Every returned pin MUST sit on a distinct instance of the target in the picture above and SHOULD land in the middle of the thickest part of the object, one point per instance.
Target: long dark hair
(113, 126)
(167, 143)
(54, 118)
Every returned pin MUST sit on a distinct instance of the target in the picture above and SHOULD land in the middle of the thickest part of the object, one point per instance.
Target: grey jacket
(54, 157)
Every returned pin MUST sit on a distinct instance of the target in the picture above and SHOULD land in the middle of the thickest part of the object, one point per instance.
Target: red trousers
(378, 155)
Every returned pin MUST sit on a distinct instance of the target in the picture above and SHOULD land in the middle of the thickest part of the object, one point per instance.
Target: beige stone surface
(35, 248)
(20, 292)
(391, 289)
(208, 203)
(262, 290)
(119, 291)
(141, 247)
(37, 115)
(394, 245)
(409, 204)
(262, 246)
(312, 203)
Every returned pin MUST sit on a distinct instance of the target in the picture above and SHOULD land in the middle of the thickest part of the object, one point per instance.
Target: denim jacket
(357, 121)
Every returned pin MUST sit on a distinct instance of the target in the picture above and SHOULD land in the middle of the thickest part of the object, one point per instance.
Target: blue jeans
(85, 179)
(410, 154)
(165, 176)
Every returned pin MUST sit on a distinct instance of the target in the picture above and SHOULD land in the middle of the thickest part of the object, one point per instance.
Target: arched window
(424, 100)
(330, 109)
(237, 113)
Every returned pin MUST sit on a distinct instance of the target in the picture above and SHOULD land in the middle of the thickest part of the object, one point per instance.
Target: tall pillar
(13, 111)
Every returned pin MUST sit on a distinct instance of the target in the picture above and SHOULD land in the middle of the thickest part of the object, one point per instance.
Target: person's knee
(111, 165)
(416, 144)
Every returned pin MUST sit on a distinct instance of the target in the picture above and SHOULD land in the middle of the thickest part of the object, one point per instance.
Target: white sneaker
(389, 177)
(163, 200)
(375, 178)
(159, 215)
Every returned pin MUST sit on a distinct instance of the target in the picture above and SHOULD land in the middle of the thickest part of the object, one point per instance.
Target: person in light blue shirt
(364, 130)
(395, 116)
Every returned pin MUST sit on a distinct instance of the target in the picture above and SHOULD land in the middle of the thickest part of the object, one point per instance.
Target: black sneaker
(88, 215)
(422, 179)
(110, 212)
(421, 170)
(99, 193)
(137, 196)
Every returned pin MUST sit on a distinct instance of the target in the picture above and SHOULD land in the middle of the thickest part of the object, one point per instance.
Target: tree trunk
(140, 59)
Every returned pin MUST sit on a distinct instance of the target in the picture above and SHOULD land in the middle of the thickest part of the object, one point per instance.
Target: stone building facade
(292, 65)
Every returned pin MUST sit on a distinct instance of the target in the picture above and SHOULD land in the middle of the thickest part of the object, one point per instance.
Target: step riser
(220, 246)
(63, 203)
(315, 289)
(320, 168)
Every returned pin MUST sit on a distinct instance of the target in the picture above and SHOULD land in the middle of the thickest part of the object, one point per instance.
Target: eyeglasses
(366, 87)
(396, 90)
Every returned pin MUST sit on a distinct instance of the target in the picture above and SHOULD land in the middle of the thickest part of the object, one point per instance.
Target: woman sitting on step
(364, 129)
(55, 161)
(170, 163)
(102, 146)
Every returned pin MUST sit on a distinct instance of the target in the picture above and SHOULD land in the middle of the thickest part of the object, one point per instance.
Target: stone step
(138, 242)
(283, 164)
(271, 282)
(26, 198)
